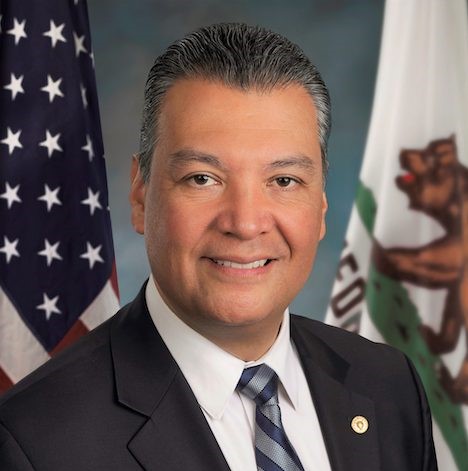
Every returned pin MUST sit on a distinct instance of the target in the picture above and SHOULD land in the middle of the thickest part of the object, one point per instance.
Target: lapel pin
(359, 424)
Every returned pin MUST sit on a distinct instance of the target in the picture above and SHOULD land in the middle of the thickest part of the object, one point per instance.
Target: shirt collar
(211, 372)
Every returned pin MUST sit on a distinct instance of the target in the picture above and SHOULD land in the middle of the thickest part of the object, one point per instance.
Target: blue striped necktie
(273, 452)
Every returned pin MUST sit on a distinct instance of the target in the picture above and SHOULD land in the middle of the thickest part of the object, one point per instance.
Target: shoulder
(373, 371)
(341, 340)
(374, 360)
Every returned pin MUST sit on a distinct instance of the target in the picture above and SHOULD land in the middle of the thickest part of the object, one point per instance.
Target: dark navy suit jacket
(117, 400)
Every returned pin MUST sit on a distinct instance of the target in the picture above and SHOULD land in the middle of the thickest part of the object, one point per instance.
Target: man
(206, 369)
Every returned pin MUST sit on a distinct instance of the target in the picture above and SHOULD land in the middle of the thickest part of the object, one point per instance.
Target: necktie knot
(259, 383)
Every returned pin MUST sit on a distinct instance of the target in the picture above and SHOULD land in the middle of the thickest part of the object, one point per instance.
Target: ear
(137, 196)
(323, 226)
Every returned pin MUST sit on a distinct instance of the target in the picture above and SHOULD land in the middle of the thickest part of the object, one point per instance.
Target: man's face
(234, 206)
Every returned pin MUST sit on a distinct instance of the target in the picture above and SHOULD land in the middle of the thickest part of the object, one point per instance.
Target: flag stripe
(20, 351)
(113, 279)
(98, 311)
(72, 335)
(5, 381)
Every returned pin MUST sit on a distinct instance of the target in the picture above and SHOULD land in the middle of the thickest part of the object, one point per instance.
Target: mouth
(408, 178)
(406, 181)
(242, 266)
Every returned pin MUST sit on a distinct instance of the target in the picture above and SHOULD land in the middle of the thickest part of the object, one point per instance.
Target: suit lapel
(177, 435)
(148, 381)
(336, 404)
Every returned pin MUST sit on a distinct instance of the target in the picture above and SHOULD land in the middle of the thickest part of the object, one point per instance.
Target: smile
(242, 266)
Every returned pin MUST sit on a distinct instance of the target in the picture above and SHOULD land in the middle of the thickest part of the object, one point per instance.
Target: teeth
(244, 266)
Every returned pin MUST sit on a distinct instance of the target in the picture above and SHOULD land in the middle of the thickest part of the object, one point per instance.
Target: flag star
(11, 195)
(88, 148)
(9, 248)
(51, 142)
(92, 201)
(15, 85)
(84, 98)
(18, 30)
(50, 197)
(91, 55)
(55, 33)
(92, 254)
(12, 140)
(50, 252)
(49, 305)
(79, 46)
(52, 88)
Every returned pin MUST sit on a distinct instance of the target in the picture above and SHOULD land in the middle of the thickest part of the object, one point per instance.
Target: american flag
(57, 271)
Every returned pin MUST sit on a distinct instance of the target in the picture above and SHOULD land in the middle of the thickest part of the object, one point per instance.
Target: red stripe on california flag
(5, 381)
(77, 331)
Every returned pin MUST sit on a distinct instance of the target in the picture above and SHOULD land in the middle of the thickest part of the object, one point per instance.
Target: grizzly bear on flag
(436, 184)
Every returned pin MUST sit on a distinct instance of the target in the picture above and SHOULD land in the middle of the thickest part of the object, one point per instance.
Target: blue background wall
(342, 37)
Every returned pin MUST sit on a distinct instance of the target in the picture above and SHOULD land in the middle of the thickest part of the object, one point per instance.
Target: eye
(285, 182)
(202, 180)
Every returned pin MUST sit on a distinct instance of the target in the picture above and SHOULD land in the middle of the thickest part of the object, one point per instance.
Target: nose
(245, 212)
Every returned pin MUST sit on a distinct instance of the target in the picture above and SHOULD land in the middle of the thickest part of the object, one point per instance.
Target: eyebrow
(186, 156)
(301, 161)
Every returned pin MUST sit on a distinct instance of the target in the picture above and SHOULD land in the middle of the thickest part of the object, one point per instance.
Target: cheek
(175, 231)
(305, 224)
(303, 231)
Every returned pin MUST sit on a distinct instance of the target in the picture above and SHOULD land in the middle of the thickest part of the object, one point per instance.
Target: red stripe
(113, 280)
(77, 331)
(5, 381)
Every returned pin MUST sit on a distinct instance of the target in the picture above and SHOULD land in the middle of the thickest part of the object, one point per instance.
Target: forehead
(215, 118)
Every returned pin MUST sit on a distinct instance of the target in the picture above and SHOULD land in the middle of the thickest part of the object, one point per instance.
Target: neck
(246, 342)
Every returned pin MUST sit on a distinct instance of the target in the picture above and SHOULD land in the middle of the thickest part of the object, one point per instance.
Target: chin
(243, 313)
(237, 322)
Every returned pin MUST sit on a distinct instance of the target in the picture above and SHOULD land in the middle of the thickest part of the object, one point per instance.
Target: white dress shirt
(213, 374)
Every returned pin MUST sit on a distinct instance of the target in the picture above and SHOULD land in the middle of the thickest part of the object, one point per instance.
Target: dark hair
(239, 56)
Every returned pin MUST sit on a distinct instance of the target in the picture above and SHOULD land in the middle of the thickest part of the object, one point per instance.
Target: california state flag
(403, 275)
